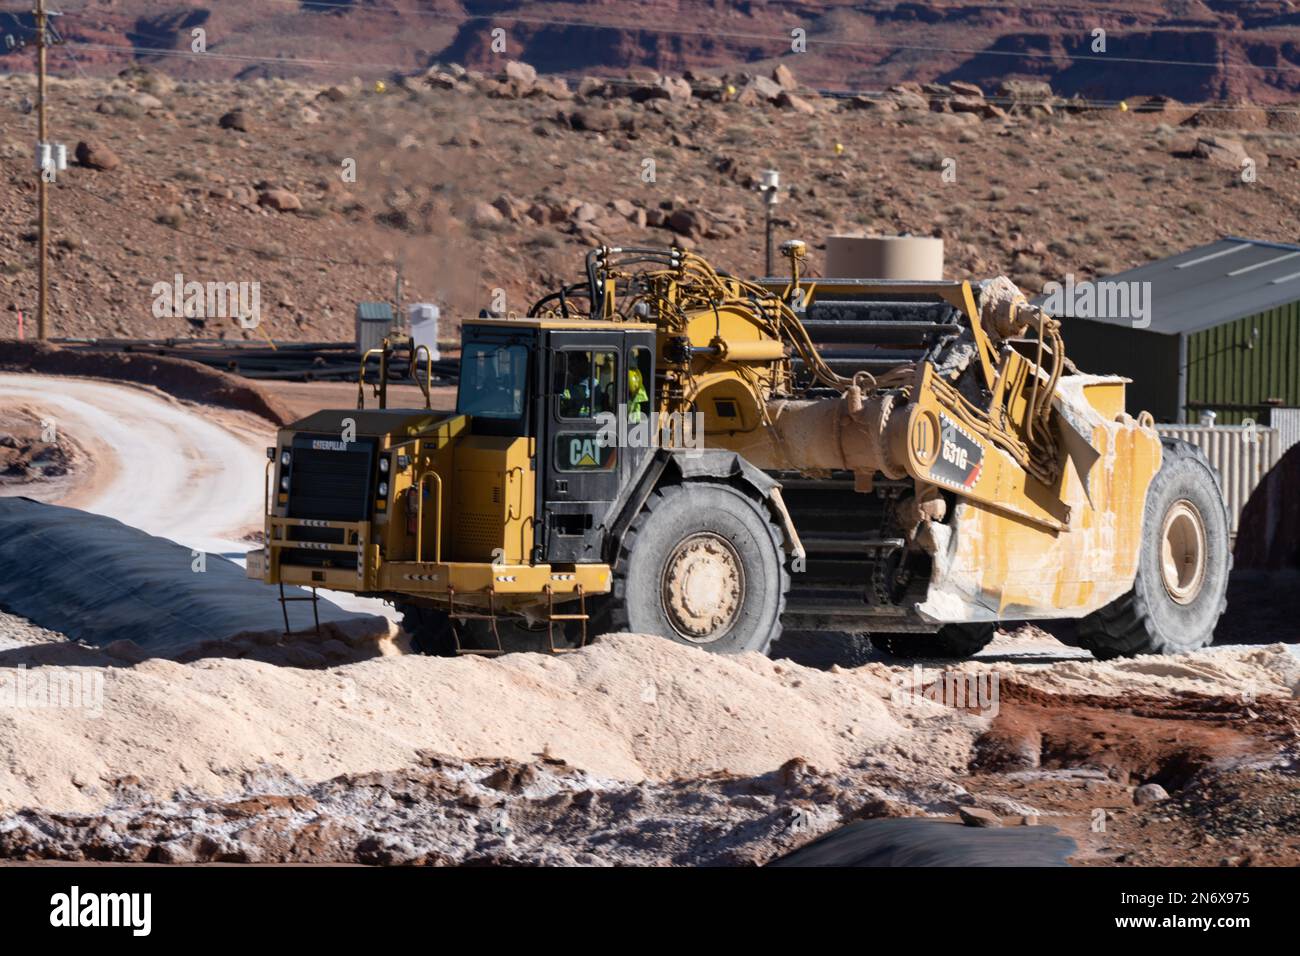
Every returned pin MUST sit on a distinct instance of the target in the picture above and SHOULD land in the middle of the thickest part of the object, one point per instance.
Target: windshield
(493, 379)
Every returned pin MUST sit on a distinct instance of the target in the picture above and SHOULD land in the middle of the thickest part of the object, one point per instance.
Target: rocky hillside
(473, 181)
(1211, 49)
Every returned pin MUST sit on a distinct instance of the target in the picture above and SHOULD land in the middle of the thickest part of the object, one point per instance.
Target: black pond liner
(98, 581)
(913, 841)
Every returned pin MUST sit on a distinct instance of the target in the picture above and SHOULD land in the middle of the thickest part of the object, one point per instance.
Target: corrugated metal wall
(1228, 366)
(1242, 455)
(1287, 423)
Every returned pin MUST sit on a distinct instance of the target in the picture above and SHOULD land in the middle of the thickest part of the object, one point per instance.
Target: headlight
(284, 483)
(383, 489)
(383, 466)
(285, 458)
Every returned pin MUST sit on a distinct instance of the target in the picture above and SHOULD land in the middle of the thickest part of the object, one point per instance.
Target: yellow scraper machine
(666, 449)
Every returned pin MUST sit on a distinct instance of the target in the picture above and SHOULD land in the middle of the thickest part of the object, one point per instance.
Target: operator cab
(582, 393)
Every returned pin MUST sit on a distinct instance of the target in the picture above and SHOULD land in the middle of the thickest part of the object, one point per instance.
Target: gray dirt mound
(628, 707)
(111, 586)
(448, 811)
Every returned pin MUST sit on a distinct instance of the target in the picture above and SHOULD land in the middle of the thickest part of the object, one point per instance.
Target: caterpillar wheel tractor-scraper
(663, 448)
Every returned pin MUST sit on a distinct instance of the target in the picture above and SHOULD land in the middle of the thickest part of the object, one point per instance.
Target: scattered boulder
(485, 214)
(1027, 97)
(96, 156)
(1149, 793)
(787, 100)
(1025, 91)
(281, 200)
(675, 89)
(509, 207)
(150, 81)
(594, 120)
(687, 222)
(784, 78)
(553, 86)
(120, 106)
(235, 119)
(516, 71)
(705, 87)
(440, 79)
(1227, 152)
(967, 104)
(908, 99)
(867, 103)
(978, 817)
(962, 88)
(765, 88)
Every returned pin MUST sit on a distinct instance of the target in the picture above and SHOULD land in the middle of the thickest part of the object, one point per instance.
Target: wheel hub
(703, 587)
(1182, 552)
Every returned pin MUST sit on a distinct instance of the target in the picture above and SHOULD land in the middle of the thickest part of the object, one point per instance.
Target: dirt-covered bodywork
(677, 451)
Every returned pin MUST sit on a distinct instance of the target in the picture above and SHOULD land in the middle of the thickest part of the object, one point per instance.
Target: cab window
(586, 383)
(493, 380)
(638, 385)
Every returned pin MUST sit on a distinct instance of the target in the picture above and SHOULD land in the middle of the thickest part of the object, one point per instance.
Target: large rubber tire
(713, 519)
(430, 630)
(949, 642)
(1148, 619)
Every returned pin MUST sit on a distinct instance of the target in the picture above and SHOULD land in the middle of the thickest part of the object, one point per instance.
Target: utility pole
(44, 239)
(769, 183)
(397, 294)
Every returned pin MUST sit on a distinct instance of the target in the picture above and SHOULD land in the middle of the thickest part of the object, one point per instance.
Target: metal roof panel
(1211, 284)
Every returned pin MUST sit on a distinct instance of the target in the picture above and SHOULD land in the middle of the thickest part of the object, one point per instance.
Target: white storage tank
(423, 323)
(914, 258)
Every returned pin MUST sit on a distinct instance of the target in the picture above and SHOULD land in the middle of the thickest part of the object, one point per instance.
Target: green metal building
(1216, 328)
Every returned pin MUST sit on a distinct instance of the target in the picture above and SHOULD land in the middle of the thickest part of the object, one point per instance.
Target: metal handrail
(266, 487)
(382, 388)
(437, 518)
(428, 372)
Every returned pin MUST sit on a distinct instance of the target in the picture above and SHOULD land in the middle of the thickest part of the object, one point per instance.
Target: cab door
(583, 454)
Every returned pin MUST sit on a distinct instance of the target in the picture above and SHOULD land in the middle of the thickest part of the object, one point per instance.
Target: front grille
(477, 536)
(330, 483)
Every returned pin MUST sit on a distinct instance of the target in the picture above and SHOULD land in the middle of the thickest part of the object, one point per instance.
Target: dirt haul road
(152, 462)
